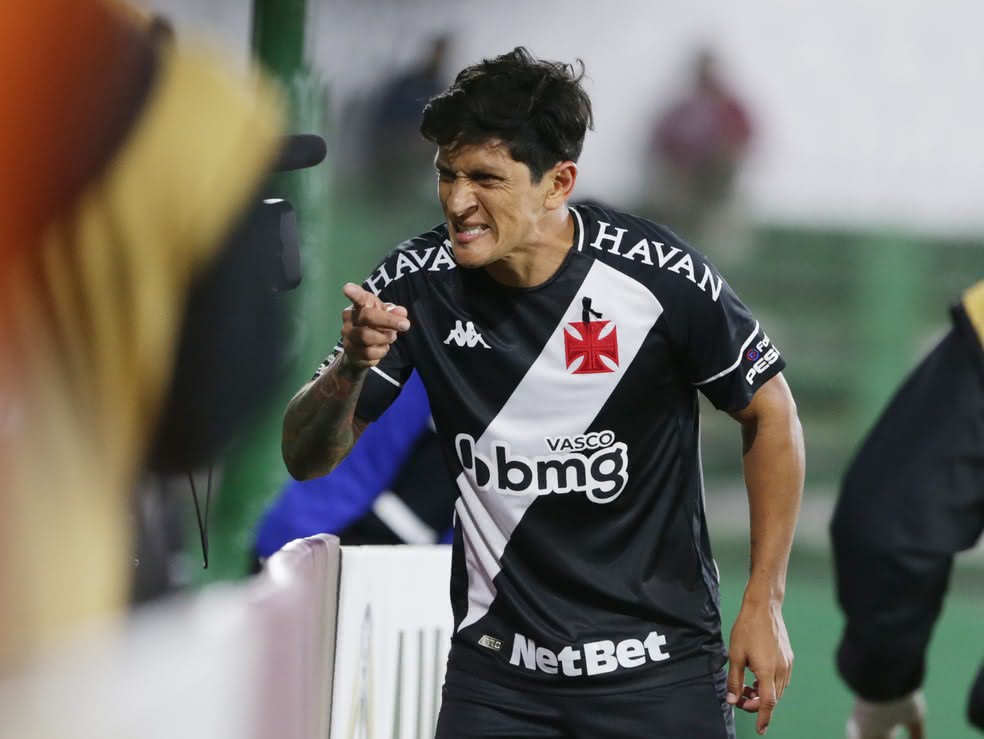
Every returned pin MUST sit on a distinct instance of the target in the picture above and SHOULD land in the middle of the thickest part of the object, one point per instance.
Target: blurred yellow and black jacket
(972, 306)
(91, 310)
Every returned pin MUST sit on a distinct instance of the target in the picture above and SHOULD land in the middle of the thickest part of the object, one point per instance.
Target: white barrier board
(184, 667)
(394, 631)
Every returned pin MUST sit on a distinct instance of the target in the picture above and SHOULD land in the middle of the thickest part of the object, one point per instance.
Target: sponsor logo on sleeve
(762, 356)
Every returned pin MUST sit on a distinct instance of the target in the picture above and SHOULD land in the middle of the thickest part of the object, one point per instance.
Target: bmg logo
(601, 474)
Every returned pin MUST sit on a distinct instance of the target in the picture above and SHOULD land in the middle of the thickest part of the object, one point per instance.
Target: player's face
(492, 206)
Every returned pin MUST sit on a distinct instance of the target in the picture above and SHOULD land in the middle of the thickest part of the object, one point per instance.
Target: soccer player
(562, 348)
(912, 499)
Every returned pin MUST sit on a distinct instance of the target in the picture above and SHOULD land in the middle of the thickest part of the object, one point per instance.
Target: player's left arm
(773, 461)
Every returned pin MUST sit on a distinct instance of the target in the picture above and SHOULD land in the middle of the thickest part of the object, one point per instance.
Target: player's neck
(535, 263)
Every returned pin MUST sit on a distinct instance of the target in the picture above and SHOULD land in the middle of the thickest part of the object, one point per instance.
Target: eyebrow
(481, 174)
(473, 174)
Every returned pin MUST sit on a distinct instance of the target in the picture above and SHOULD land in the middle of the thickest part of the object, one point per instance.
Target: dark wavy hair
(537, 108)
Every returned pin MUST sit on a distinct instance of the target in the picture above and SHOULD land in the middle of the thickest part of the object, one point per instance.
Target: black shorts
(474, 708)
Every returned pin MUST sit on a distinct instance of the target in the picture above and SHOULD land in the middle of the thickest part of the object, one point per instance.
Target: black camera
(275, 221)
(276, 225)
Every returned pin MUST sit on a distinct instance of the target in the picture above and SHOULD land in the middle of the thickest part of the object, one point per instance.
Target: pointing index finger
(360, 298)
(767, 702)
(368, 310)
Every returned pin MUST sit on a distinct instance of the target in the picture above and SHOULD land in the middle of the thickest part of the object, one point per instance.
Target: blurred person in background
(128, 289)
(912, 498)
(391, 489)
(562, 349)
(378, 131)
(394, 143)
(699, 145)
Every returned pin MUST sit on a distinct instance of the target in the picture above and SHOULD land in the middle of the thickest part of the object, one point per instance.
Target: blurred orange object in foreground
(125, 162)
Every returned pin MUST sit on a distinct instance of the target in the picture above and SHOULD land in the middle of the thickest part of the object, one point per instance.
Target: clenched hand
(370, 326)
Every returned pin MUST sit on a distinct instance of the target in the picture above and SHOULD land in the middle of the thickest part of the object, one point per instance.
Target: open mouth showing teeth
(471, 230)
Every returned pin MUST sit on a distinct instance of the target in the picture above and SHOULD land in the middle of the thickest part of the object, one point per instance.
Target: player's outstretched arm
(774, 469)
(320, 426)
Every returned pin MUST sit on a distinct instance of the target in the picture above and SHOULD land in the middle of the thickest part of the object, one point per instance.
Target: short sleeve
(726, 352)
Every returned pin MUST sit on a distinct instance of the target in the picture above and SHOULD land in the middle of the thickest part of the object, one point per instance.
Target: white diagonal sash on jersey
(547, 402)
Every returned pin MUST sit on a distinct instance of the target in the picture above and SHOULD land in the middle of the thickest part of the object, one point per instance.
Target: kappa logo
(594, 343)
(465, 336)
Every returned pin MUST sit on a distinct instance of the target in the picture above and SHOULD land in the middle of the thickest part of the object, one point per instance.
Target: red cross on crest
(586, 342)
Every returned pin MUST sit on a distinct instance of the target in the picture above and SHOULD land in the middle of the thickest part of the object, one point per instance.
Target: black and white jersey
(568, 416)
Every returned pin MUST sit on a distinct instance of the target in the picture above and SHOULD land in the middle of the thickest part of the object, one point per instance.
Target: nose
(461, 198)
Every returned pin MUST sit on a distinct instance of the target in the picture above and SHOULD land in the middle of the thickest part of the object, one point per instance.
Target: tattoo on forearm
(320, 425)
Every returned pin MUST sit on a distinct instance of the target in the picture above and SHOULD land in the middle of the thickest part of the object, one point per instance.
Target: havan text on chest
(659, 255)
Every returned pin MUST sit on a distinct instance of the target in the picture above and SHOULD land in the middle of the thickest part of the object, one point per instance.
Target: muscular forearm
(773, 461)
(320, 427)
(774, 470)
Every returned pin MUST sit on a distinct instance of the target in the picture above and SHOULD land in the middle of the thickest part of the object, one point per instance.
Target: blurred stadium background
(861, 193)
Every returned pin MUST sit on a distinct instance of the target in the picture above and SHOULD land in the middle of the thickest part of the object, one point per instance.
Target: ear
(559, 183)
